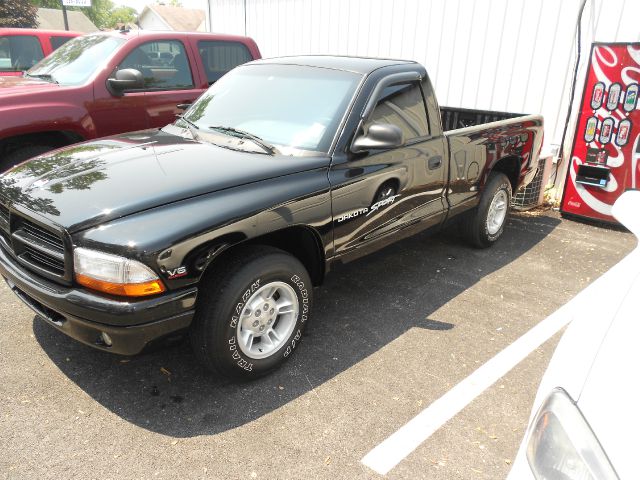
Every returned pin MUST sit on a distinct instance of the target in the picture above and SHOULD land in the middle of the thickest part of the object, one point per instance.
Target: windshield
(297, 108)
(75, 61)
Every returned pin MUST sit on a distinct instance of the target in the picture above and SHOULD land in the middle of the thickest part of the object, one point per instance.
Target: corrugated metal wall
(512, 55)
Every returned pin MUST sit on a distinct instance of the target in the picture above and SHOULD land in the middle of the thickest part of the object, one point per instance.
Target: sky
(139, 4)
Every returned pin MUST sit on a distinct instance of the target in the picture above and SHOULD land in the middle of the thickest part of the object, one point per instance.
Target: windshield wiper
(234, 132)
(43, 76)
(180, 117)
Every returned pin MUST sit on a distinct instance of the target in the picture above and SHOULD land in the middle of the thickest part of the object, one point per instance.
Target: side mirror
(379, 136)
(126, 79)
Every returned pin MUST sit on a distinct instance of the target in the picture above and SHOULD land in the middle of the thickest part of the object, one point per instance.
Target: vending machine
(606, 151)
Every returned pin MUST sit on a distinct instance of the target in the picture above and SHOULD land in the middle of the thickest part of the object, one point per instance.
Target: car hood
(18, 85)
(609, 398)
(93, 182)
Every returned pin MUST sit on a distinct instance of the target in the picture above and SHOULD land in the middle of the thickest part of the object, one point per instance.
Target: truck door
(169, 79)
(379, 192)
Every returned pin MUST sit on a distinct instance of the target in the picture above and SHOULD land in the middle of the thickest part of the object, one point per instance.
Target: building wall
(150, 20)
(509, 55)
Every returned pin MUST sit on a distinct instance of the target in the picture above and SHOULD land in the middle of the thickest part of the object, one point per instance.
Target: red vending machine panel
(606, 153)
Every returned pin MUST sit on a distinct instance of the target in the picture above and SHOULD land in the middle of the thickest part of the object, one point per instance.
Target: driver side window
(164, 65)
(402, 105)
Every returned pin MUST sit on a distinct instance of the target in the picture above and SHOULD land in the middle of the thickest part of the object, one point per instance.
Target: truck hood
(12, 86)
(94, 182)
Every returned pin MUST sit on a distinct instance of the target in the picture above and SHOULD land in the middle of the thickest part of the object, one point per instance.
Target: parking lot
(392, 333)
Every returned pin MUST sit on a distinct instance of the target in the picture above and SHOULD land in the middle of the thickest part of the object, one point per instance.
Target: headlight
(114, 274)
(562, 446)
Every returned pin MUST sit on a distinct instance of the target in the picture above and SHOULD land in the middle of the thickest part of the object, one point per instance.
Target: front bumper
(84, 316)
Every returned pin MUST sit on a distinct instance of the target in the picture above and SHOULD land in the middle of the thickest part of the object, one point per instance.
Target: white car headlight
(562, 446)
(114, 274)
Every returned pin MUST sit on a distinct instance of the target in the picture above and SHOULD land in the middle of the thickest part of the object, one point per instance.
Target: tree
(171, 3)
(122, 15)
(18, 14)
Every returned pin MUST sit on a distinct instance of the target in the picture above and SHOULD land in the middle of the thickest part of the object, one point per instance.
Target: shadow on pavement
(360, 309)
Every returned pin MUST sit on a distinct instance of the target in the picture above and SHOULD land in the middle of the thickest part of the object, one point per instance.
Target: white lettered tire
(251, 311)
(486, 223)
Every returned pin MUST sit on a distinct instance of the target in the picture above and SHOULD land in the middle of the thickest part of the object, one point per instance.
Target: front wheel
(487, 222)
(251, 312)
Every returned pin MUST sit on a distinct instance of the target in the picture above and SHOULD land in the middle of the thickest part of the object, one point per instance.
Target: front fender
(183, 237)
(37, 117)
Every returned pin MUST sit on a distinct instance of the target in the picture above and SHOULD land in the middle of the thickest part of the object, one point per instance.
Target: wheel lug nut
(255, 324)
(266, 307)
(271, 312)
(261, 328)
(258, 312)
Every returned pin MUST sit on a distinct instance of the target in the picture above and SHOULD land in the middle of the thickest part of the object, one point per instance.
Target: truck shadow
(360, 309)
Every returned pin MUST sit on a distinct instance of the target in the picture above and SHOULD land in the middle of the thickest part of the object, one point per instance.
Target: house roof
(178, 18)
(51, 19)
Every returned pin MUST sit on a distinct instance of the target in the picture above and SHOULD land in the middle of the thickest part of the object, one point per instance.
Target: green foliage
(102, 13)
(18, 14)
(171, 3)
(123, 15)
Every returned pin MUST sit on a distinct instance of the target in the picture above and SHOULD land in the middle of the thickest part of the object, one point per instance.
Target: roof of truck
(362, 65)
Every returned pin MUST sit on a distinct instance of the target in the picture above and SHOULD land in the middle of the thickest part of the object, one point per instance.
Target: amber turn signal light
(123, 289)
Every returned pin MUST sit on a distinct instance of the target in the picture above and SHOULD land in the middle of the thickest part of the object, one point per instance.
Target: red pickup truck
(22, 48)
(110, 82)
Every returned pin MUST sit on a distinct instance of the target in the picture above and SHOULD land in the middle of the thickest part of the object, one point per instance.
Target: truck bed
(454, 118)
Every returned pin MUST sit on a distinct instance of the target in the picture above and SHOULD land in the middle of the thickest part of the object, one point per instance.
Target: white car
(585, 421)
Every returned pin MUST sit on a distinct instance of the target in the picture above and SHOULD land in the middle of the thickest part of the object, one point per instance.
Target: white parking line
(404, 441)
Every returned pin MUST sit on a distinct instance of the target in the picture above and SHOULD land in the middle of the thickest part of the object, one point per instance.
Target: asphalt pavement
(392, 333)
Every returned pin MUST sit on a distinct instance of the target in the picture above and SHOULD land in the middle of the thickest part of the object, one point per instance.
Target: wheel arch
(54, 138)
(511, 167)
(301, 241)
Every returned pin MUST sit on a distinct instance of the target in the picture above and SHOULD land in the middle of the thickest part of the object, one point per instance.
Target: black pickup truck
(223, 222)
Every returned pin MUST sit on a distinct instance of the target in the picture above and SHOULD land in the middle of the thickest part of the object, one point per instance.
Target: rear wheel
(251, 312)
(486, 224)
(21, 154)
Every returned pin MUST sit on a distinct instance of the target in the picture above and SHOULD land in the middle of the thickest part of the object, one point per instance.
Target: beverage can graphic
(631, 98)
(623, 132)
(614, 96)
(590, 130)
(597, 95)
(606, 130)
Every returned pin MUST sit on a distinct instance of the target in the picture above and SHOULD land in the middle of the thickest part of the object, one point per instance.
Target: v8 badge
(176, 273)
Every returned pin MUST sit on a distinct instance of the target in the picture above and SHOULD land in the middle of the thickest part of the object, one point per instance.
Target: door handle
(183, 106)
(434, 162)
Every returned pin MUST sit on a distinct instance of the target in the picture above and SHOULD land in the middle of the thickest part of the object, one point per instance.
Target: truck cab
(111, 82)
(22, 48)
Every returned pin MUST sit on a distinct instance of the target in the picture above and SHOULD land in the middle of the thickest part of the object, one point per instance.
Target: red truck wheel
(486, 224)
(251, 312)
